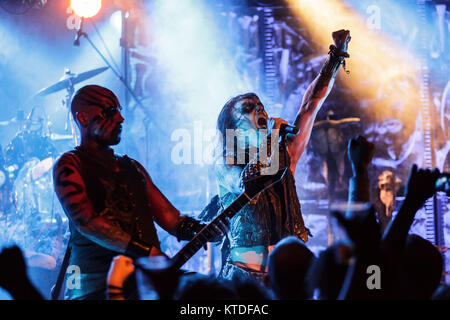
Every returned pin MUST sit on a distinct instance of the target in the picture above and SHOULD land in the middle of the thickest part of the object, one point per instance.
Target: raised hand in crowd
(361, 227)
(121, 268)
(360, 153)
(364, 232)
(14, 277)
(419, 187)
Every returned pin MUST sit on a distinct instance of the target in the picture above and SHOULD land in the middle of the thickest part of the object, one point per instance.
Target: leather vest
(274, 214)
(119, 197)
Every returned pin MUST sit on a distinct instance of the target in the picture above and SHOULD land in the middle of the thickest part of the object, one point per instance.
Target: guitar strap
(62, 271)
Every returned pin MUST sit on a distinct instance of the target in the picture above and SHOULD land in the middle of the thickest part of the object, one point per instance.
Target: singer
(275, 213)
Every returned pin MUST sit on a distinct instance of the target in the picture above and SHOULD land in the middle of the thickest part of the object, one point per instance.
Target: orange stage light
(86, 8)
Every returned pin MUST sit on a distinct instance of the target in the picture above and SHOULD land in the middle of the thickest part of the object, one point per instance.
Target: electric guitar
(164, 274)
(255, 181)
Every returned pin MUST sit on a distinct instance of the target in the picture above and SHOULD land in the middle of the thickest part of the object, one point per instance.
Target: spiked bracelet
(187, 228)
(136, 249)
(331, 65)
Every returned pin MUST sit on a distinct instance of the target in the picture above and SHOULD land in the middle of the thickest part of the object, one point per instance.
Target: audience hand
(420, 185)
(12, 268)
(14, 277)
(362, 229)
(121, 267)
(360, 154)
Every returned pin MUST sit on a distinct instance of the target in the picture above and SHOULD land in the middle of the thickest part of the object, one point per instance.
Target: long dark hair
(226, 121)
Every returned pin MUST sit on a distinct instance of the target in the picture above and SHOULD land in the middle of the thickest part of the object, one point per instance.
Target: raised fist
(360, 153)
(121, 267)
(341, 39)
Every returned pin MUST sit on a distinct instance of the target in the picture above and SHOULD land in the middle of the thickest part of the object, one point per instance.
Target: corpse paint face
(105, 125)
(250, 117)
(250, 114)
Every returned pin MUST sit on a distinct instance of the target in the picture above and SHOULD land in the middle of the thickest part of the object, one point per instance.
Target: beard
(110, 139)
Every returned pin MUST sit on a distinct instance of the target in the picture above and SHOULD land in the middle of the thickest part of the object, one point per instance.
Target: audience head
(420, 271)
(442, 293)
(200, 287)
(288, 264)
(248, 288)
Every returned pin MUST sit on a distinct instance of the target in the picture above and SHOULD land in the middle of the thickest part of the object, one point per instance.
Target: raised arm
(360, 153)
(419, 187)
(316, 94)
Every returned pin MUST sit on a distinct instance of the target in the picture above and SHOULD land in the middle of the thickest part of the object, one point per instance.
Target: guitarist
(110, 200)
(275, 213)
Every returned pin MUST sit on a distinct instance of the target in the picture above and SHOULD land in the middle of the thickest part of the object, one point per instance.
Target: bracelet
(335, 59)
(114, 292)
(137, 249)
(114, 287)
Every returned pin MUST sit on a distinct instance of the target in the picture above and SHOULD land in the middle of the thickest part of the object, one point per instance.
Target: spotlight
(86, 8)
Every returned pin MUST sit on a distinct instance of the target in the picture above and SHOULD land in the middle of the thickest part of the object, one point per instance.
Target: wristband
(188, 228)
(336, 58)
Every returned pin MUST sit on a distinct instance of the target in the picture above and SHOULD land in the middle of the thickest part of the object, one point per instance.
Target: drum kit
(30, 213)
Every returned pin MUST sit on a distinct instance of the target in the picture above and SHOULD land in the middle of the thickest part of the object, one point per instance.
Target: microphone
(285, 129)
(80, 33)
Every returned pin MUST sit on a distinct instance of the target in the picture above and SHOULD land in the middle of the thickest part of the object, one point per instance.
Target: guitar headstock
(258, 176)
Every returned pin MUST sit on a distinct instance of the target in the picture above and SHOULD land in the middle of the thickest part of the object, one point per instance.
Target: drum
(24, 146)
(38, 223)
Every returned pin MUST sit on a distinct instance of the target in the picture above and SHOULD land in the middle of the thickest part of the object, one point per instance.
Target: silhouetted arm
(419, 187)
(360, 153)
(14, 277)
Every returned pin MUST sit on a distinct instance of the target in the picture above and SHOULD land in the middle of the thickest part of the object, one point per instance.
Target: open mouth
(262, 122)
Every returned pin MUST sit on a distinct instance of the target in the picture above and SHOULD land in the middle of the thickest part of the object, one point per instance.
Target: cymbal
(69, 79)
(15, 120)
(56, 136)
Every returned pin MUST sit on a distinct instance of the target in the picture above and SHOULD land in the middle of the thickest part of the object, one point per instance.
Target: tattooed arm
(169, 218)
(315, 96)
(165, 214)
(71, 192)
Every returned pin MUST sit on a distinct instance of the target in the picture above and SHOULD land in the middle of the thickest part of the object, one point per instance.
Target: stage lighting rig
(21, 6)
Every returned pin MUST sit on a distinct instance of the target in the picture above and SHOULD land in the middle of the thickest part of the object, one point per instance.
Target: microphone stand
(81, 33)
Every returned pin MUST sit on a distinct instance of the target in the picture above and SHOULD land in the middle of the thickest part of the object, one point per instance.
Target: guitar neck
(208, 232)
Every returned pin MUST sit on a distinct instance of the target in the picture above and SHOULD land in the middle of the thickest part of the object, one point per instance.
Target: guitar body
(164, 273)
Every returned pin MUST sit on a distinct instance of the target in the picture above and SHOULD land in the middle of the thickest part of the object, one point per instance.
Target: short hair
(421, 268)
(201, 287)
(248, 288)
(288, 265)
(91, 95)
